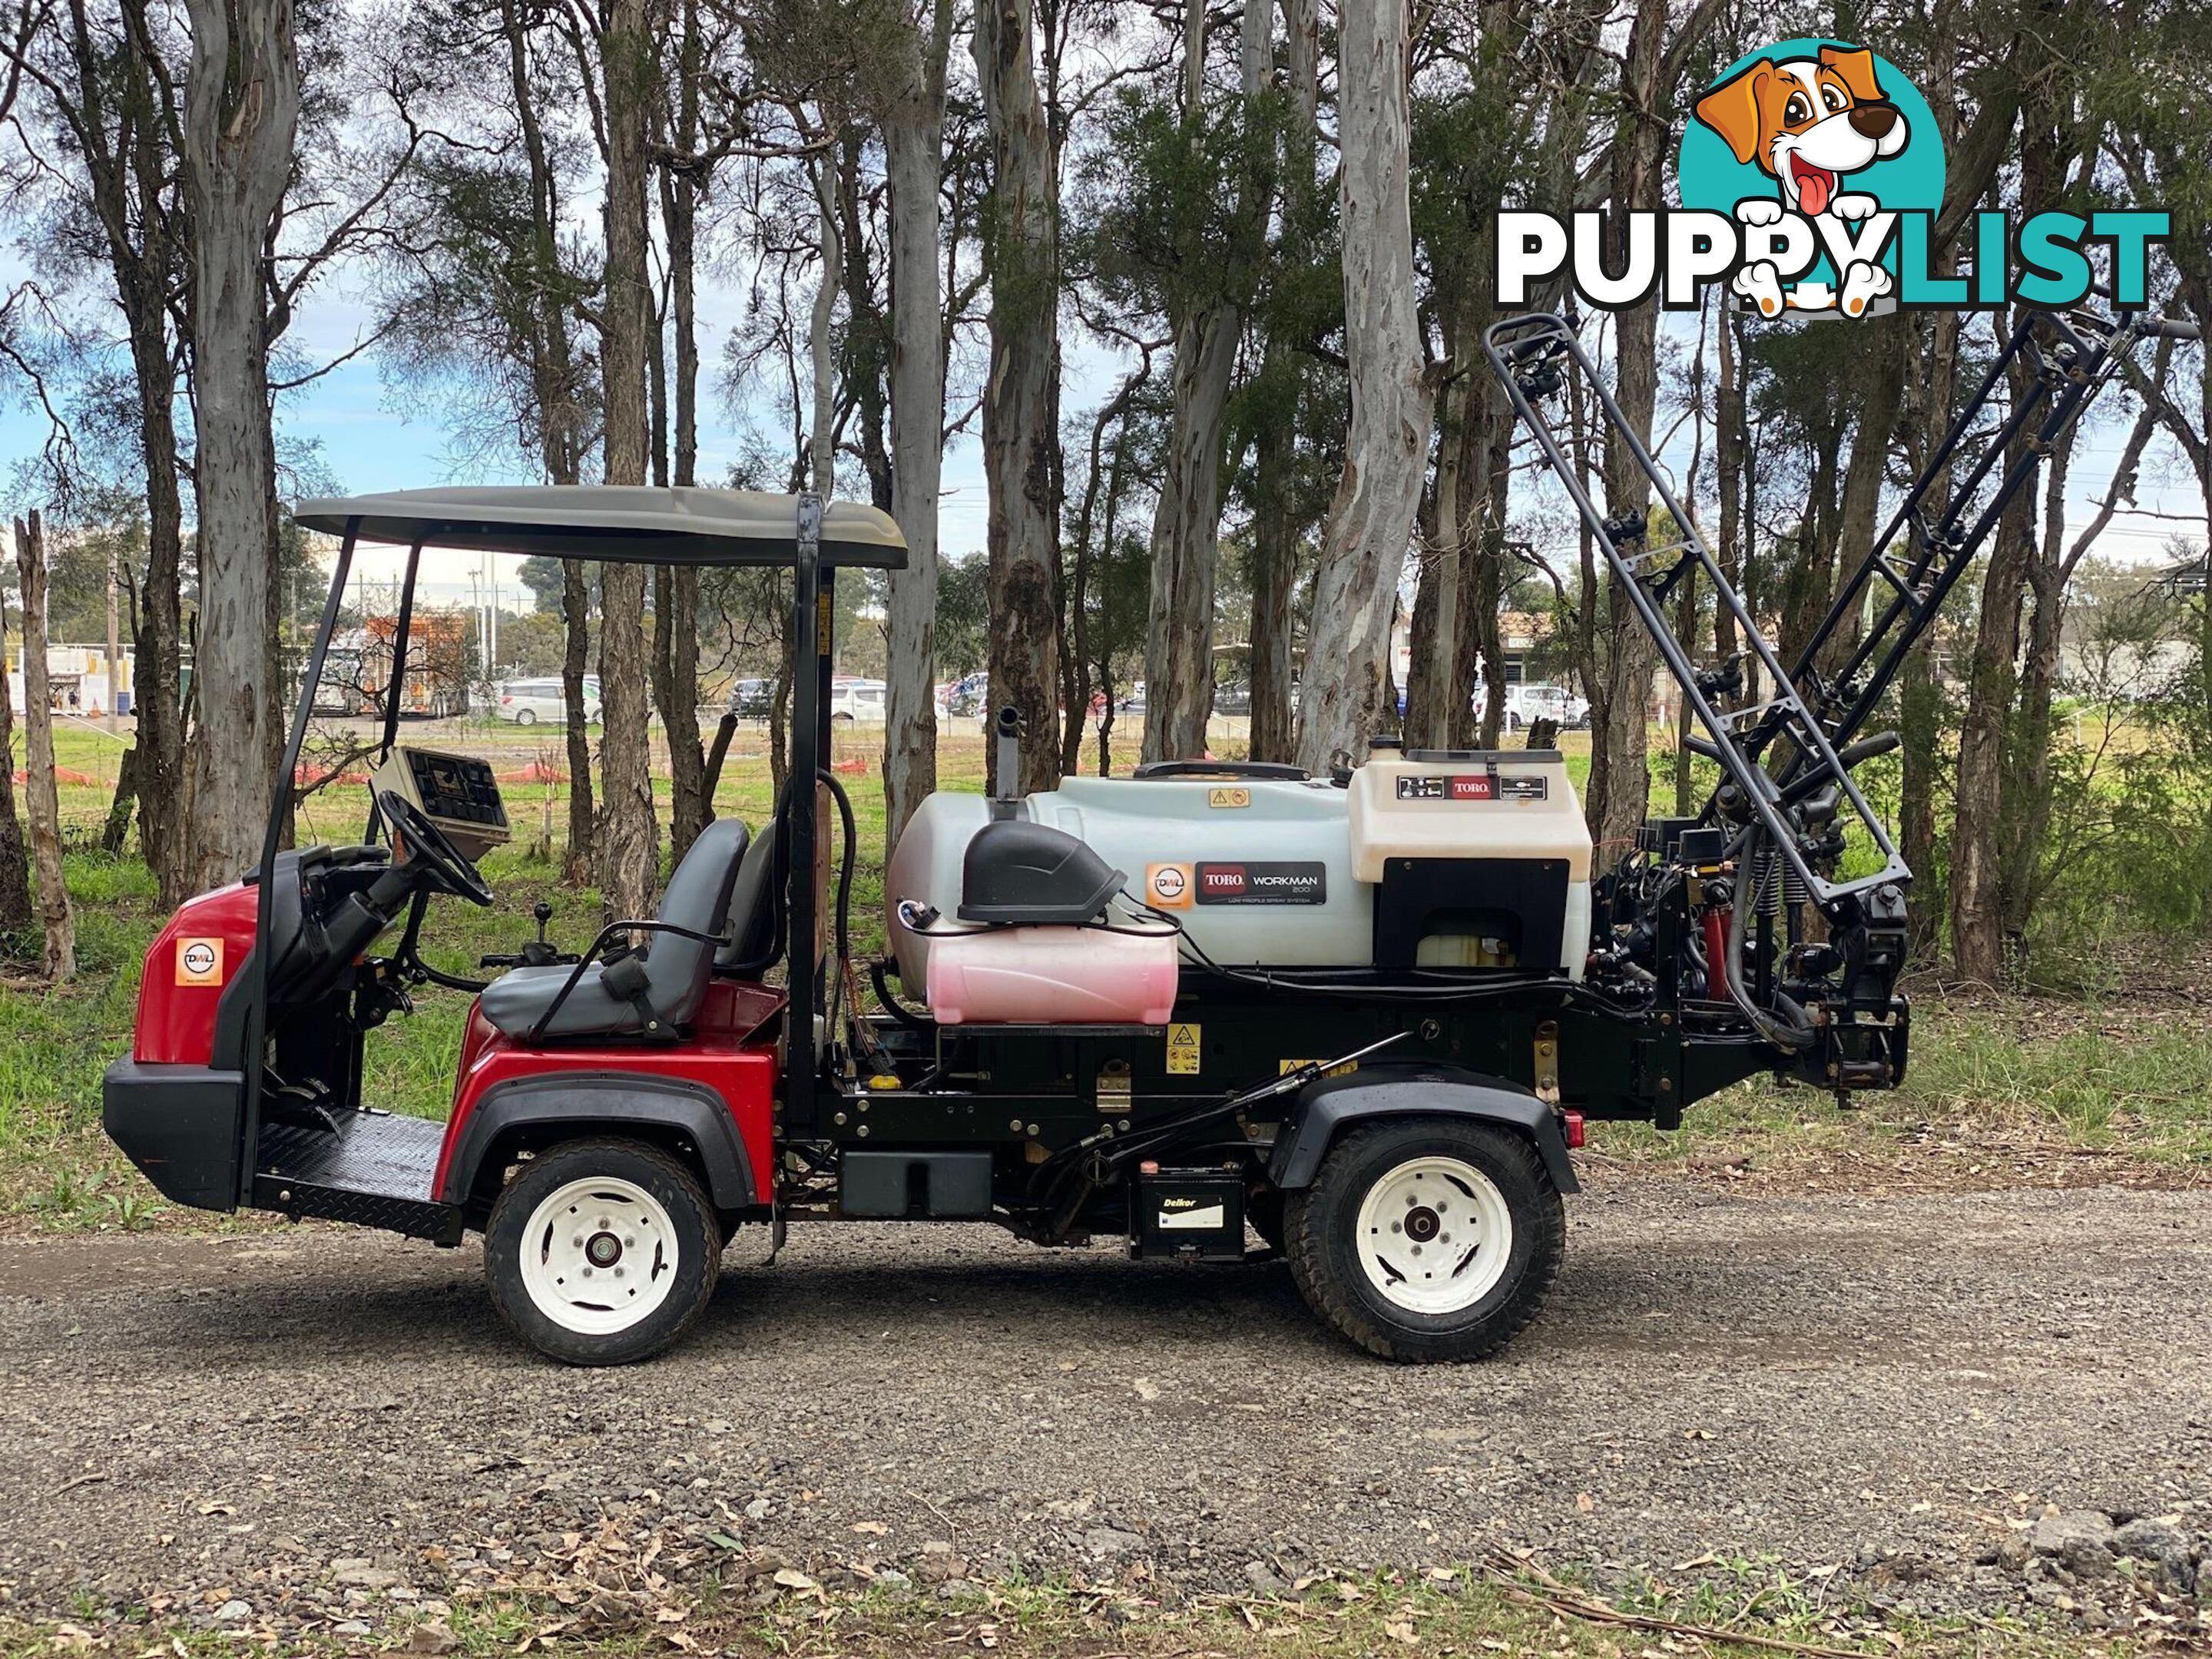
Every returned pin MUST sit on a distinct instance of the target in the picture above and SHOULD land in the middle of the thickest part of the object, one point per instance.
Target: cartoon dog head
(1806, 121)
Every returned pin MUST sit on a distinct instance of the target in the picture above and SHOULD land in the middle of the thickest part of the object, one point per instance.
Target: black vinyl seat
(677, 969)
(749, 923)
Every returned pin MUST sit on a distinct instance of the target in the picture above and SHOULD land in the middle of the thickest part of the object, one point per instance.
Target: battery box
(1190, 1213)
(937, 1186)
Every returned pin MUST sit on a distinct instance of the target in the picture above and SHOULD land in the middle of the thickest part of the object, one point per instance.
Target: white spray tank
(1481, 860)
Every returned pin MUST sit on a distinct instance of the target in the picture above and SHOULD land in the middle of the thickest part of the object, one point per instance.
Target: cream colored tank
(1507, 804)
(1500, 803)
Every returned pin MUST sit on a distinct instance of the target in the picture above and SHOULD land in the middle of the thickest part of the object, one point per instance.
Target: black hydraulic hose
(879, 975)
(1435, 986)
(844, 874)
(843, 932)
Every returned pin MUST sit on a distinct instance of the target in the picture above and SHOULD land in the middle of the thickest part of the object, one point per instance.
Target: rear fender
(1325, 1109)
(564, 1105)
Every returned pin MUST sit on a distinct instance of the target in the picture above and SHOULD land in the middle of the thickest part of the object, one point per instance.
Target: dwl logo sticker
(1811, 175)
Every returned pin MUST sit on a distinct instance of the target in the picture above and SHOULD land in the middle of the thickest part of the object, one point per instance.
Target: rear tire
(602, 1252)
(1427, 1239)
(527, 717)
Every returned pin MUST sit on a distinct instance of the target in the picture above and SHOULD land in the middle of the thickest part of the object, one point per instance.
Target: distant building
(76, 677)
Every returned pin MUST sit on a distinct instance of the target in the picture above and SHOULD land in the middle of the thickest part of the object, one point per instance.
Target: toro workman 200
(1366, 1014)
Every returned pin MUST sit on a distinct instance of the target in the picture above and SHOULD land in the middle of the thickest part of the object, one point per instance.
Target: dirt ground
(1885, 1386)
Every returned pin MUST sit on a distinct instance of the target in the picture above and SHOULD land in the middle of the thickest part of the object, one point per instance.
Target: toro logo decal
(199, 961)
(1217, 883)
(1299, 883)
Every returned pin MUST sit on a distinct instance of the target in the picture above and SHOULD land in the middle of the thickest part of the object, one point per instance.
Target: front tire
(602, 1252)
(1427, 1239)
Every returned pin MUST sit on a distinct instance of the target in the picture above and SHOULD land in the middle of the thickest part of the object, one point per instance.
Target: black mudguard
(1385, 1090)
(569, 1104)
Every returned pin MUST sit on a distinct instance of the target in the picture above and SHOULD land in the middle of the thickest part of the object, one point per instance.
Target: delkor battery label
(1474, 785)
(1262, 884)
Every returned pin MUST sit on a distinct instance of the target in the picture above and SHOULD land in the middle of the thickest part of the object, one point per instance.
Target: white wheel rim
(1434, 1235)
(599, 1256)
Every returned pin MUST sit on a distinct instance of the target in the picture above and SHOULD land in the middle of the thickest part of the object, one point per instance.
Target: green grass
(1442, 1611)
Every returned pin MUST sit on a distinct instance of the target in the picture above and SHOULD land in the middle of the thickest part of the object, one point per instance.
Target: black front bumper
(181, 1125)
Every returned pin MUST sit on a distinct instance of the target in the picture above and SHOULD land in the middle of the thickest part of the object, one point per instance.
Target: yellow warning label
(199, 961)
(1285, 1067)
(1229, 797)
(1182, 1050)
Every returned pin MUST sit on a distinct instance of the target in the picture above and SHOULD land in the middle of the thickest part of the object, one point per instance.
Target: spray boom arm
(1771, 838)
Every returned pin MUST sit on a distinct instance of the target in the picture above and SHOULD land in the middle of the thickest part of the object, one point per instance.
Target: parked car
(751, 700)
(527, 703)
(860, 701)
(969, 698)
(1539, 701)
(1232, 698)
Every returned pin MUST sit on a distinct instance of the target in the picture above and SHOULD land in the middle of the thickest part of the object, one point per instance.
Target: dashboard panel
(457, 793)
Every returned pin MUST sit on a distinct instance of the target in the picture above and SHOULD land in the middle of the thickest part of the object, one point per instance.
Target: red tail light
(1574, 1125)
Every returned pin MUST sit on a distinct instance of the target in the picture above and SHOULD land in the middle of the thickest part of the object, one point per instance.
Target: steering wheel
(426, 845)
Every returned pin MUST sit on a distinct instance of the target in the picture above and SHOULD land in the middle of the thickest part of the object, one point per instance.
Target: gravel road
(1877, 1383)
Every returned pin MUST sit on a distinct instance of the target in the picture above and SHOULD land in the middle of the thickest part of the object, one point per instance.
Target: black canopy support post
(398, 677)
(810, 711)
(257, 1007)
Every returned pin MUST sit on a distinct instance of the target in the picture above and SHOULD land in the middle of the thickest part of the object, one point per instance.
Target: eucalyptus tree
(241, 112)
(1393, 393)
(484, 302)
(1207, 189)
(1021, 402)
(912, 114)
(103, 214)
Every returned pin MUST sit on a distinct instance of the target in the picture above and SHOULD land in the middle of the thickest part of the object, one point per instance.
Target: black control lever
(535, 953)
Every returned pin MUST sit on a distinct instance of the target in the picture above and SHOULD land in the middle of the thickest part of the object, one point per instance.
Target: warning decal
(199, 961)
(1263, 883)
(1474, 785)
(1182, 1050)
(1229, 797)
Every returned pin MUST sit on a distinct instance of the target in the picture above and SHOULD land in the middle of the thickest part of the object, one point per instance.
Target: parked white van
(528, 702)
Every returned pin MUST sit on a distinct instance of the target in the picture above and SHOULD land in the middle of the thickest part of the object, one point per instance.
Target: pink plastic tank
(1054, 977)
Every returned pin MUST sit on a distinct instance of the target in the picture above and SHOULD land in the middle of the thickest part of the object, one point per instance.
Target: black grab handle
(1281, 771)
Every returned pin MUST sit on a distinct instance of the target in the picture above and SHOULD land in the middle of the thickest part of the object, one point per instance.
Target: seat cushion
(677, 966)
(517, 999)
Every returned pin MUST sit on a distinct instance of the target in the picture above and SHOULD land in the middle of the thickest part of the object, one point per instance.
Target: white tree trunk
(1186, 518)
(241, 114)
(914, 141)
(629, 851)
(822, 338)
(42, 798)
(1370, 522)
(1021, 397)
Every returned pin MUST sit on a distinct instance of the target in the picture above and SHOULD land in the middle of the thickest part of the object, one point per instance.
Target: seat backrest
(750, 921)
(677, 969)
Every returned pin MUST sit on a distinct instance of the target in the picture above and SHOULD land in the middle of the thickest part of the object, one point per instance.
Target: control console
(457, 793)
